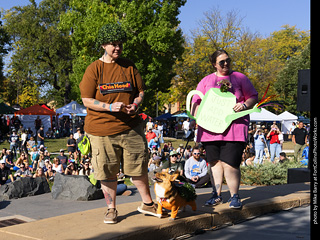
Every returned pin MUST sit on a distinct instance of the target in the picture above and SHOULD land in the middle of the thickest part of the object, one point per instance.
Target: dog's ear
(174, 176)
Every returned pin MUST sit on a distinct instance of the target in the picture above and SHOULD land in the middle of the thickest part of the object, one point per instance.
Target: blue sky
(262, 16)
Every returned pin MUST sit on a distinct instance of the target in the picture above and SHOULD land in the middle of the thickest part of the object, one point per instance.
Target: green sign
(215, 112)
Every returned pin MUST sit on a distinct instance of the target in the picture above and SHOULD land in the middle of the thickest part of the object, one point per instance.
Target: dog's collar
(164, 199)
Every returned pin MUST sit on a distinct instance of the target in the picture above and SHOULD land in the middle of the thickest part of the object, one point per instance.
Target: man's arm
(101, 106)
(132, 108)
(138, 100)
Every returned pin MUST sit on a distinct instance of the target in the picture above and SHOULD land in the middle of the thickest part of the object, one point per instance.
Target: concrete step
(134, 225)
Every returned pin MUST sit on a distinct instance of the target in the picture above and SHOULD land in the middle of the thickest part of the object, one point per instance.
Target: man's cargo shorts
(128, 148)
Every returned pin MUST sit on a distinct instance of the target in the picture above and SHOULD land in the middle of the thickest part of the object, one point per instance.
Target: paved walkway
(133, 225)
(283, 225)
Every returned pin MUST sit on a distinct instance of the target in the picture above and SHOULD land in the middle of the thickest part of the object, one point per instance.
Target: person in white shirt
(195, 169)
(185, 126)
(24, 138)
(77, 134)
(149, 124)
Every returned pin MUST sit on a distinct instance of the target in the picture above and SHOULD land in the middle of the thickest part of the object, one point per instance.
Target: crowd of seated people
(189, 162)
(40, 163)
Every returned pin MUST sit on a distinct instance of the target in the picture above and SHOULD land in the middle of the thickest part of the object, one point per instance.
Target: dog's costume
(173, 196)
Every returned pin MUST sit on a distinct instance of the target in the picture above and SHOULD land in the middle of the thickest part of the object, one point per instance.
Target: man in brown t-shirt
(112, 90)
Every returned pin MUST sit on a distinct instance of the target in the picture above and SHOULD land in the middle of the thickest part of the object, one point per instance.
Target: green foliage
(29, 95)
(83, 20)
(267, 173)
(41, 52)
(4, 41)
(55, 41)
(109, 33)
(153, 40)
(186, 191)
(287, 79)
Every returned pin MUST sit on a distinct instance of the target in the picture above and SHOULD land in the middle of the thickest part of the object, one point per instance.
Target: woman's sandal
(214, 200)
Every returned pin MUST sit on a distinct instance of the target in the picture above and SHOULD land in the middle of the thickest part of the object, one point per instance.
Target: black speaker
(303, 94)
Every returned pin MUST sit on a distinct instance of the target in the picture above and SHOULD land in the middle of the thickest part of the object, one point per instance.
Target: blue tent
(303, 119)
(165, 116)
(72, 108)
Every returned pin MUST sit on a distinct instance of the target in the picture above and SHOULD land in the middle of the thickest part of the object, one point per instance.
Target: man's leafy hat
(111, 32)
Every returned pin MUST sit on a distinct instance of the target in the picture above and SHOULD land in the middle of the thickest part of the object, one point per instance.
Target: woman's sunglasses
(222, 62)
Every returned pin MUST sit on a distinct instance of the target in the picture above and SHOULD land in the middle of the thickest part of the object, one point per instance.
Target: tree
(29, 95)
(83, 21)
(154, 40)
(287, 79)
(193, 66)
(289, 42)
(216, 32)
(272, 53)
(41, 51)
(4, 41)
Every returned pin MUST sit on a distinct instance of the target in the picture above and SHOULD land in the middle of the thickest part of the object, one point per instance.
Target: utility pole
(157, 104)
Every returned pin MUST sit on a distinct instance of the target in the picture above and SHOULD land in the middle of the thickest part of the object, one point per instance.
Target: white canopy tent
(287, 120)
(264, 116)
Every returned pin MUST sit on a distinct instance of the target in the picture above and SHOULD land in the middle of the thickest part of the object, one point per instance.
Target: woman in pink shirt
(224, 151)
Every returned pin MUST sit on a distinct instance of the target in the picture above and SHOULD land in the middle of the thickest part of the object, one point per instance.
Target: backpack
(84, 145)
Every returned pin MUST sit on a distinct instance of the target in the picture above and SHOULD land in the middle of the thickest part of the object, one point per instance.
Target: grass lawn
(175, 142)
(54, 145)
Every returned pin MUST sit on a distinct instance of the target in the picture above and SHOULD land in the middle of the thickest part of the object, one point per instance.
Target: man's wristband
(135, 105)
(110, 107)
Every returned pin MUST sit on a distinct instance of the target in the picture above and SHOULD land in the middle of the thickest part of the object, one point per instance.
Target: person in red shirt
(275, 146)
(150, 135)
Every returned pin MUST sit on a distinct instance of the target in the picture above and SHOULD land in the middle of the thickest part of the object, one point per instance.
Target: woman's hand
(238, 107)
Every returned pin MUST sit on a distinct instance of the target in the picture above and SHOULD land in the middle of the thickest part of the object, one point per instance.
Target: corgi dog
(169, 195)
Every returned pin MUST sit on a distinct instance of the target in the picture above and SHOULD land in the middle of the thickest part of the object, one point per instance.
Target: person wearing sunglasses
(173, 163)
(195, 169)
(224, 151)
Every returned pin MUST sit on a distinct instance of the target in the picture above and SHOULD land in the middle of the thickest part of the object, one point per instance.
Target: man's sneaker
(150, 210)
(111, 216)
(235, 201)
